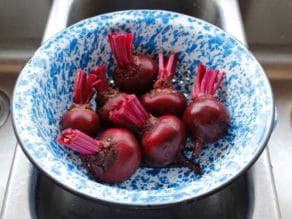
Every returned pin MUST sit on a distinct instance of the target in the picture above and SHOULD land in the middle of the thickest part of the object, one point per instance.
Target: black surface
(51, 201)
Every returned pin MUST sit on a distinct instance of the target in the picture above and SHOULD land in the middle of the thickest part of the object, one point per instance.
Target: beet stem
(197, 149)
(182, 160)
(130, 113)
(207, 82)
(100, 72)
(84, 87)
(121, 45)
(161, 65)
(80, 142)
(196, 89)
(167, 70)
(80, 81)
(218, 83)
(213, 77)
(171, 64)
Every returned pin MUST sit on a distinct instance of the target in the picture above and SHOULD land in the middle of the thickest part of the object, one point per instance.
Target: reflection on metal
(4, 108)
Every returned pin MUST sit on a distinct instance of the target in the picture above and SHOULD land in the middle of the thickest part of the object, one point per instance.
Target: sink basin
(8, 139)
(22, 24)
(206, 10)
(66, 205)
(268, 26)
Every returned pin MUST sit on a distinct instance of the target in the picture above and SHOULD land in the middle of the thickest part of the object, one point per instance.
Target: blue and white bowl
(44, 92)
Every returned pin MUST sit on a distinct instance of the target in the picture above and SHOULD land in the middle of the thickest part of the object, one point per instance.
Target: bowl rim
(270, 119)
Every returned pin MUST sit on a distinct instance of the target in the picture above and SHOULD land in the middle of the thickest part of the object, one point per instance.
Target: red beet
(164, 99)
(206, 117)
(113, 158)
(162, 139)
(80, 115)
(134, 73)
(107, 98)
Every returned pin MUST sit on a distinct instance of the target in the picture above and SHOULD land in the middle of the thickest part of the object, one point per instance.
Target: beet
(113, 158)
(163, 99)
(80, 115)
(162, 139)
(134, 73)
(107, 98)
(206, 117)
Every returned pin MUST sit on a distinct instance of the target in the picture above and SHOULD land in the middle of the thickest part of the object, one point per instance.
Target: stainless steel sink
(252, 195)
(8, 140)
(22, 24)
(206, 10)
(268, 26)
(21, 33)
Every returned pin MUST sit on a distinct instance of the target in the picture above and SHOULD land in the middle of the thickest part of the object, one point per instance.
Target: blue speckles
(150, 20)
(153, 171)
(215, 41)
(73, 45)
(165, 18)
(206, 27)
(192, 48)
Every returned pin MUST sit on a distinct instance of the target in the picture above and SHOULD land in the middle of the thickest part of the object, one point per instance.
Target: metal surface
(280, 145)
(251, 196)
(268, 25)
(19, 197)
(21, 33)
(7, 138)
(22, 24)
(204, 9)
(63, 204)
(4, 108)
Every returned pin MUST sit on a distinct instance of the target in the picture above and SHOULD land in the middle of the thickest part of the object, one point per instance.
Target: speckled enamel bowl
(44, 91)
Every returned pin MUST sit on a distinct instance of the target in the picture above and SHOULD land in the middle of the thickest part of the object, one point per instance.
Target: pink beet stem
(167, 70)
(88, 92)
(196, 89)
(121, 45)
(212, 81)
(130, 114)
(80, 82)
(218, 83)
(84, 87)
(100, 72)
(207, 82)
(80, 142)
(161, 66)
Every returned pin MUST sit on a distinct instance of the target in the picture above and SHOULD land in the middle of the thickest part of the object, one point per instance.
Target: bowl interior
(44, 92)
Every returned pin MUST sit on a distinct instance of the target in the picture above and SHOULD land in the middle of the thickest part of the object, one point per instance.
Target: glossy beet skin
(162, 139)
(113, 158)
(163, 99)
(107, 98)
(134, 73)
(206, 117)
(80, 115)
(82, 118)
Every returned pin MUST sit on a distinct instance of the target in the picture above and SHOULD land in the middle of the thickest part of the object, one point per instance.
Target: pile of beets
(146, 121)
